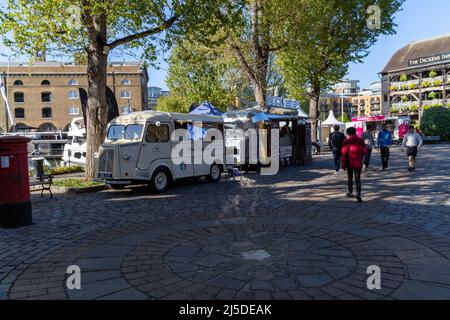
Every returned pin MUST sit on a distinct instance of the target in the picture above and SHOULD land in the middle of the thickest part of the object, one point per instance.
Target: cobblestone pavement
(290, 236)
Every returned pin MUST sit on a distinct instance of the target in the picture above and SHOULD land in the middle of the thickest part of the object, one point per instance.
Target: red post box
(15, 204)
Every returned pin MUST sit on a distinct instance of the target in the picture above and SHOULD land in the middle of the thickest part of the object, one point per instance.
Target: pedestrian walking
(335, 141)
(412, 141)
(353, 151)
(369, 140)
(385, 138)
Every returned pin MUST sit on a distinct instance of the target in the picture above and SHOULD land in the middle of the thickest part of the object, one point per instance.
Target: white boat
(75, 149)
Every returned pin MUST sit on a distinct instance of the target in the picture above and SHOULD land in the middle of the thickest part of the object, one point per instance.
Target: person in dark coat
(353, 151)
(335, 141)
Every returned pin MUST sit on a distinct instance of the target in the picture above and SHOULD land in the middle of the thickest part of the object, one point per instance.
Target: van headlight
(126, 156)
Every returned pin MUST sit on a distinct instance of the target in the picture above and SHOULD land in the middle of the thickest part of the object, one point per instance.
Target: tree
(253, 30)
(436, 122)
(199, 74)
(173, 103)
(95, 28)
(339, 33)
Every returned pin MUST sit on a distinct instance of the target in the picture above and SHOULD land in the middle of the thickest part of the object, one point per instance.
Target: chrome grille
(106, 161)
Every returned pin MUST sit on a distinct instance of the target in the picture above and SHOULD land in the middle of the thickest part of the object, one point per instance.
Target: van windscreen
(116, 132)
(133, 132)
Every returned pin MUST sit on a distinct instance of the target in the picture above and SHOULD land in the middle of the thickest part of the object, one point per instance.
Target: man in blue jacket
(384, 143)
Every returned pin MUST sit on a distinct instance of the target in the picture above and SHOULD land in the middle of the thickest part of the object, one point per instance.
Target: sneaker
(358, 197)
(365, 168)
(410, 169)
(336, 173)
(349, 194)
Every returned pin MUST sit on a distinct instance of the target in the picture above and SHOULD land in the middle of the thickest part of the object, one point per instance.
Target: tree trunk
(314, 112)
(97, 81)
(260, 94)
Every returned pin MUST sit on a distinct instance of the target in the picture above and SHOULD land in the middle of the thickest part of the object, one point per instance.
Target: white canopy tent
(325, 127)
(332, 121)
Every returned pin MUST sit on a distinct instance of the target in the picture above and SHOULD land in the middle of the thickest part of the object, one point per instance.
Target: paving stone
(314, 280)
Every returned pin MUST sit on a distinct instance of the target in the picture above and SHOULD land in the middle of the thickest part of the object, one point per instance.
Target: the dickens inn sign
(441, 57)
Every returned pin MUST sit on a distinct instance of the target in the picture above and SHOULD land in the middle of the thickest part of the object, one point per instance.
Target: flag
(113, 109)
(3, 93)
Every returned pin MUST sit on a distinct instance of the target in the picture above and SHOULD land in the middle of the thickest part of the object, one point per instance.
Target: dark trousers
(337, 159)
(357, 174)
(385, 154)
(367, 158)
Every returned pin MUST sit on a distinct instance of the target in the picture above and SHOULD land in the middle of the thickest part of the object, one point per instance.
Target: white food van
(138, 149)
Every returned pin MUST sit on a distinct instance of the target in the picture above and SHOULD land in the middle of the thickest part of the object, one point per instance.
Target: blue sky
(418, 20)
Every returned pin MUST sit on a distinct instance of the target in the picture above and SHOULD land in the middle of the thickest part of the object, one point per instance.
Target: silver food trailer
(138, 149)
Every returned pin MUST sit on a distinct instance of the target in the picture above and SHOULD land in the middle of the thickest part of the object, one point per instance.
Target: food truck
(294, 136)
(138, 149)
(398, 125)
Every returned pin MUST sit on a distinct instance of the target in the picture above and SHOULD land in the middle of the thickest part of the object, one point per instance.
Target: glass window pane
(133, 132)
(116, 132)
(157, 134)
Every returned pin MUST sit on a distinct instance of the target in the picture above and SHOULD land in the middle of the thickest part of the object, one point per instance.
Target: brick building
(45, 95)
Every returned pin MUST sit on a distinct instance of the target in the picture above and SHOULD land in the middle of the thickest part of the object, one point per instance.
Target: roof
(415, 50)
(151, 115)
(332, 121)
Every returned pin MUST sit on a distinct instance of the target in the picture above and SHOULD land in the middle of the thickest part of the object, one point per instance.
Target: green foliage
(432, 74)
(436, 122)
(198, 73)
(403, 77)
(173, 103)
(344, 118)
(426, 84)
(75, 183)
(394, 110)
(413, 86)
(405, 87)
(393, 88)
(65, 170)
(437, 83)
(404, 98)
(432, 95)
(413, 108)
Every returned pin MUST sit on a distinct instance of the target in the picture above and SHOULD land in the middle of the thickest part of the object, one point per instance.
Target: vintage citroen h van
(138, 149)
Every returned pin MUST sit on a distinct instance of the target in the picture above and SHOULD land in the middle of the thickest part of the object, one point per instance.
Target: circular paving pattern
(242, 262)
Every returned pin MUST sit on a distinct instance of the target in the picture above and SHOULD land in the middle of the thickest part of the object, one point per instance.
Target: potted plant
(404, 98)
(413, 109)
(394, 88)
(405, 87)
(437, 83)
(394, 110)
(432, 74)
(432, 95)
(426, 84)
(403, 78)
(413, 86)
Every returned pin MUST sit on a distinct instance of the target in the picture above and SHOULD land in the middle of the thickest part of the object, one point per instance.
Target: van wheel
(117, 186)
(160, 181)
(214, 173)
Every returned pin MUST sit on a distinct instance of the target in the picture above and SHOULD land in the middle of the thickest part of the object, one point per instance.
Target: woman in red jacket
(353, 151)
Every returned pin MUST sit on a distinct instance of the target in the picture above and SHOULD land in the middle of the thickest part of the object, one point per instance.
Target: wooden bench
(44, 183)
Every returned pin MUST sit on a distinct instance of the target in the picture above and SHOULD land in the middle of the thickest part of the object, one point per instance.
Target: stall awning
(332, 121)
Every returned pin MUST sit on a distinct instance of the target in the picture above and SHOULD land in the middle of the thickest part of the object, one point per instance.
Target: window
(46, 112)
(46, 97)
(116, 132)
(18, 83)
(47, 127)
(73, 95)
(19, 97)
(72, 82)
(74, 111)
(157, 134)
(45, 83)
(125, 94)
(125, 82)
(125, 110)
(133, 132)
(19, 113)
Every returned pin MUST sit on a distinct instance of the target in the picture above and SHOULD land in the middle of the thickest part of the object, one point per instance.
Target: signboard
(441, 57)
(369, 119)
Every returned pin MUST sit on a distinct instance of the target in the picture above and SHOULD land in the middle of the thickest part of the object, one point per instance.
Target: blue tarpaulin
(206, 108)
